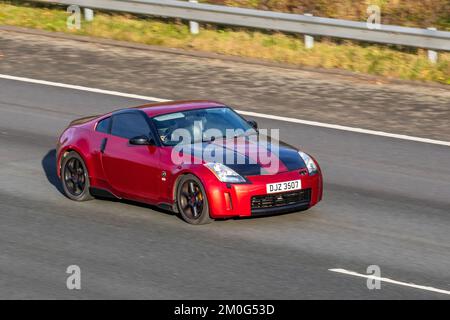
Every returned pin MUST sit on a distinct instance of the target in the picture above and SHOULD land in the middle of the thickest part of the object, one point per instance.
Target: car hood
(250, 156)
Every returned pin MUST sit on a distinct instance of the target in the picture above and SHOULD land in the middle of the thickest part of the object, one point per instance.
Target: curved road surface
(387, 203)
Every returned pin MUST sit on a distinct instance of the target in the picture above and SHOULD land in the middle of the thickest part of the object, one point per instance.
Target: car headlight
(225, 174)
(310, 164)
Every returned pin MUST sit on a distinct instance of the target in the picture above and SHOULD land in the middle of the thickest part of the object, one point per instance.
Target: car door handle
(103, 145)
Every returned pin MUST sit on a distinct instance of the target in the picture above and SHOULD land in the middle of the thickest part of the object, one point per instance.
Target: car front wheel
(192, 201)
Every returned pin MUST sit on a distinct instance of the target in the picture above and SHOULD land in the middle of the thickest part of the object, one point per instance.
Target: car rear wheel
(75, 177)
(192, 201)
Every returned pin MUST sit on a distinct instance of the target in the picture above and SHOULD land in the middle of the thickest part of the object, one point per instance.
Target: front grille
(281, 199)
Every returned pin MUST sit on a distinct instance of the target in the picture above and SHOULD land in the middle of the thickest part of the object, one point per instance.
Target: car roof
(152, 110)
(157, 109)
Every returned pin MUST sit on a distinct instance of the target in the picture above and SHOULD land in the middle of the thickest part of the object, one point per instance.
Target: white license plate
(284, 186)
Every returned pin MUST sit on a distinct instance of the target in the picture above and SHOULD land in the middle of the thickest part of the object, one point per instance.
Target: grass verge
(385, 61)
(411, 13)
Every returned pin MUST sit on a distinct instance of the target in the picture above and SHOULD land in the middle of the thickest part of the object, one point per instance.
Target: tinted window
(129, 125)
(103, 126)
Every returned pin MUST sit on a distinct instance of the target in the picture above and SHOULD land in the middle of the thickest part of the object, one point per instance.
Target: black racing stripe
(291, 159)
(243, 165)
(246, 170)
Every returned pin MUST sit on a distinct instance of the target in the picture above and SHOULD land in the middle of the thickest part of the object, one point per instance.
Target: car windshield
(200, 125)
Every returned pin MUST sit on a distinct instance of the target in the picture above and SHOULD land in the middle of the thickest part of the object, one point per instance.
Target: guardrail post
(88, 14)
(309, 40)
(193, 26)
(432, 55)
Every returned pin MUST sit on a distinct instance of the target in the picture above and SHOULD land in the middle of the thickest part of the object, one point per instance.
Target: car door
(132, 171)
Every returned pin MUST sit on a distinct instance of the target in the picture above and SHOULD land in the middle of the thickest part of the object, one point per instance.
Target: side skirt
(102, 193)
(167, 207)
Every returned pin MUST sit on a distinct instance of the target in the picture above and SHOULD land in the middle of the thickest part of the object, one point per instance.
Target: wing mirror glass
(142, 141)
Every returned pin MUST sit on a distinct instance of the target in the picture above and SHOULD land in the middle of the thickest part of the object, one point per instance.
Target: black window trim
(150, 124)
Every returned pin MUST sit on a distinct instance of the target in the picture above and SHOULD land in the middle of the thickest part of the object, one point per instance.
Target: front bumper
(280, 202)
(235, 200)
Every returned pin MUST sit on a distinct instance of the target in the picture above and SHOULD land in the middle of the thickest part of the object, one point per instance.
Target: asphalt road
(386, 203)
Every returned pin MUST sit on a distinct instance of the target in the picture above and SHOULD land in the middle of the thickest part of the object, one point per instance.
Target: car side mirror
(142, 141)
(253, 124)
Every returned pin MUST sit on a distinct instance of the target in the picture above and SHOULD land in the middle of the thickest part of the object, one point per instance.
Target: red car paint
(136, 172)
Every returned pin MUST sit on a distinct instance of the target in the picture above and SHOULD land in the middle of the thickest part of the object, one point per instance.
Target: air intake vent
(281, 199)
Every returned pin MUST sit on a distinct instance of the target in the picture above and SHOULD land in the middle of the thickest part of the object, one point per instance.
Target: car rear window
(104, 125)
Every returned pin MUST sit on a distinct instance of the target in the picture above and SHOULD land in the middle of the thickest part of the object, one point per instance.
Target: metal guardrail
(387, 34)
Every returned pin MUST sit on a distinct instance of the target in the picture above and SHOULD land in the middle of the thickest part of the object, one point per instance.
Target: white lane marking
(81, 88)
(344, 128)
(245, 113)
(411, 285)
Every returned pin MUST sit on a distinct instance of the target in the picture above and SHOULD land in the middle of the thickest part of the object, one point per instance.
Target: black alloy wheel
(192, 201)
(75, 177)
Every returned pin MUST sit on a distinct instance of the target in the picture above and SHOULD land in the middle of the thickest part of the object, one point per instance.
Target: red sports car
(199, 159)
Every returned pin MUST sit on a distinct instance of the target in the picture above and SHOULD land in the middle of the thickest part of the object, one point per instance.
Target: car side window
(129, 125)
(104, 125)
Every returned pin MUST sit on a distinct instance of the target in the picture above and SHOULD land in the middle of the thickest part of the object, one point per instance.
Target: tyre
(75, 177)
(192, 201)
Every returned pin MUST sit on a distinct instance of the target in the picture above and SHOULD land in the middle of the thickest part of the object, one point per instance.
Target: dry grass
(370, 59)
(417, 13)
